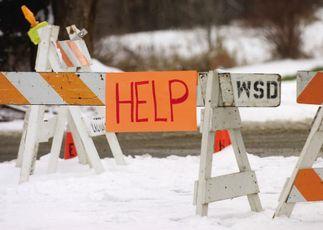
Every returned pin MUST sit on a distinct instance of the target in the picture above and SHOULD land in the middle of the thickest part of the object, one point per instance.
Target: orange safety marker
(221, 140)
(29, 16)
(308, 186)
(309, 88)
(69, 148)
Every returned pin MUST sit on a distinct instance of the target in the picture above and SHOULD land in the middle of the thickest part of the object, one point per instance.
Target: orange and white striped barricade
(156, 101)
(34, 118)
(306, 183)
(222, 94)
(75, 52)
(48, 60)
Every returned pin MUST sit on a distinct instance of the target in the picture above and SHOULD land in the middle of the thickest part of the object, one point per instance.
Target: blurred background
(267, 36)
(181, 34)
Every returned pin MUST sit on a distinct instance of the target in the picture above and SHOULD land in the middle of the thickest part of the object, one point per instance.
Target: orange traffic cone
(221, 140)
(69, 148)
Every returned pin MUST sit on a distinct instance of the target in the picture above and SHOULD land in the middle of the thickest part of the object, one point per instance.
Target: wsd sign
(245, 90)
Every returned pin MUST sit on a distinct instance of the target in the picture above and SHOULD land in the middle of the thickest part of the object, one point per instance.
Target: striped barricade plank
(49, 88)
(23, 88)
(308, 186)
(309, 87)
(73, 53)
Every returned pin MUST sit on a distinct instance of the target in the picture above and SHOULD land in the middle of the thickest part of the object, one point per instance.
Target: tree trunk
(79, 12)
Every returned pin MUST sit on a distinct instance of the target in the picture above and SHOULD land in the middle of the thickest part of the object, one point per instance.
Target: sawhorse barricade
(306, 183)
(223, 93)
(59, 56)
(156, 101)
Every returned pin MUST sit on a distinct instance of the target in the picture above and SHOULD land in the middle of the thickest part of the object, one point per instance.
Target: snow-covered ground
(147, 193)
(285, 67)
(246, 45)
(97, 66)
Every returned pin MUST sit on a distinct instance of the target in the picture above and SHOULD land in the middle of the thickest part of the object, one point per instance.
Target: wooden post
(211, 99)
(28, 150)
(216, 117)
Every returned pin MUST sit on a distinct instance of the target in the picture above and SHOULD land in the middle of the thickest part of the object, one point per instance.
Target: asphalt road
(262, 139)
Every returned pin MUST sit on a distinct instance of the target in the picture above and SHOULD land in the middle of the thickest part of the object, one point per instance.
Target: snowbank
(97, 66)
(284, 67)
(247, 45)
(148, 193)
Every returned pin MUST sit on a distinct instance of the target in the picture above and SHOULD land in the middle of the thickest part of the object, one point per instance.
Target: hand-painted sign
(151, 101)
(245, 90)
(256, 89)
(95, 125)
(310, 87)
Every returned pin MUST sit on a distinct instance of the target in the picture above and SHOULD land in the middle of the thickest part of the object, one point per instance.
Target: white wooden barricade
(28, 148)
(37, 130)
(222, 94)
(309, 90)
(307, 158)
(81, 125)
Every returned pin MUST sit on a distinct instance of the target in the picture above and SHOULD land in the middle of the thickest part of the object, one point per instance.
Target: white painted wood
(59, 131)
(78, 124)
(256, 90)
(307, 157)
(226, 89)
(31, 143)
(214, 118)
(95, 125)
(201, 89)
(112, 140)
(115, 148)
(245, 90)
(205, 168)
(225, 118)
(46, 34)
(46, 130)
(23, 139)
(243, 164)
(231, 186)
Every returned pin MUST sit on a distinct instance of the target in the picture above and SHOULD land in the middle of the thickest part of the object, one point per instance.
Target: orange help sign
(151, 101)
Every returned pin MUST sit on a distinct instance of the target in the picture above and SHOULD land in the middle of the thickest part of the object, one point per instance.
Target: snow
(246, 45)
(285, 67)
(11, 126)
(147, 193)
(97, 66)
